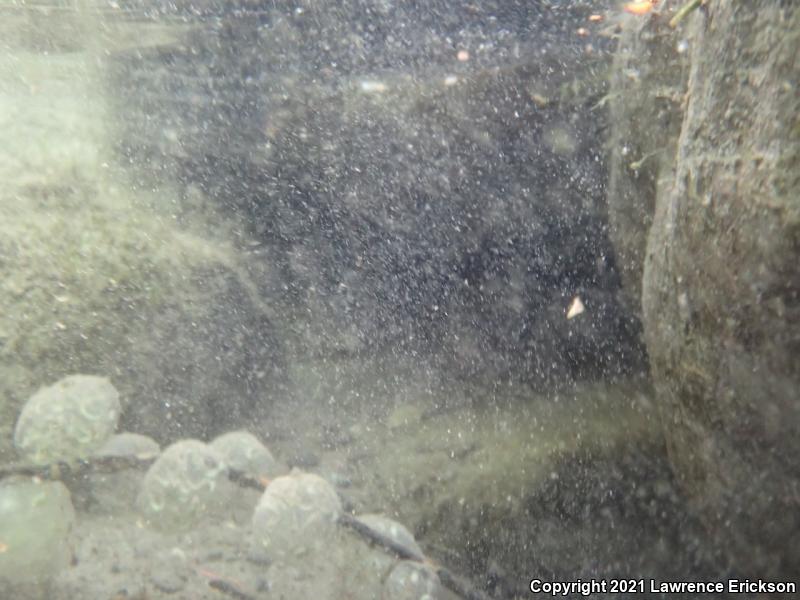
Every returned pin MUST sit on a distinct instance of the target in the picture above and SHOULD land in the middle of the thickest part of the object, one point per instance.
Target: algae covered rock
(181, 485)
(242, 451)
(373, 564)
(296, 515)
(129, 444)
(397, 532)
(35, 520)
(116, 492)
(68, 419)
(411, 580)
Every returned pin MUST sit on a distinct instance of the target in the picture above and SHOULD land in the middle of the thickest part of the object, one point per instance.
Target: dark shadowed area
(380, 299)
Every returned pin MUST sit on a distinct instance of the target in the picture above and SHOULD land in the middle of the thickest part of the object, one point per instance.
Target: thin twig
(378, 539)
(449, 580)
(228, 588)
(246, 480)
(683, 11)
(109, 464)
(459, 586)
(67, 470)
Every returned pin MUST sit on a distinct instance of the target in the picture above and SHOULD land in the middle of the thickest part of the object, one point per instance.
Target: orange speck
(3, 547)
(582, 31)
(595, 18)
(207, 573)
(640, 7)
(462, 56)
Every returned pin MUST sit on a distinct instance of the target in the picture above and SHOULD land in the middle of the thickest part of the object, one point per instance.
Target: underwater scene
(399, 300)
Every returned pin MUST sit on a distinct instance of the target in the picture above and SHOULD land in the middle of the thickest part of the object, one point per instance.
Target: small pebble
(303, 459)
(167, 581)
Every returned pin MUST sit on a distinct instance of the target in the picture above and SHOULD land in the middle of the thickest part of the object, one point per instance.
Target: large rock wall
(721, 283)
(646, 103)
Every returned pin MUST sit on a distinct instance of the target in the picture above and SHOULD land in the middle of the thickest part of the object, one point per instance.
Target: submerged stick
(449, 580)
(109, 464)
(378, 539)
(683, 11)
(458, 586)
(67, 470)
(228, 588)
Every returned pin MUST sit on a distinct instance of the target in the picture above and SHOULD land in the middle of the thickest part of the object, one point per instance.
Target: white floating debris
(373, 87)
(450, 80)
(575, 308)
